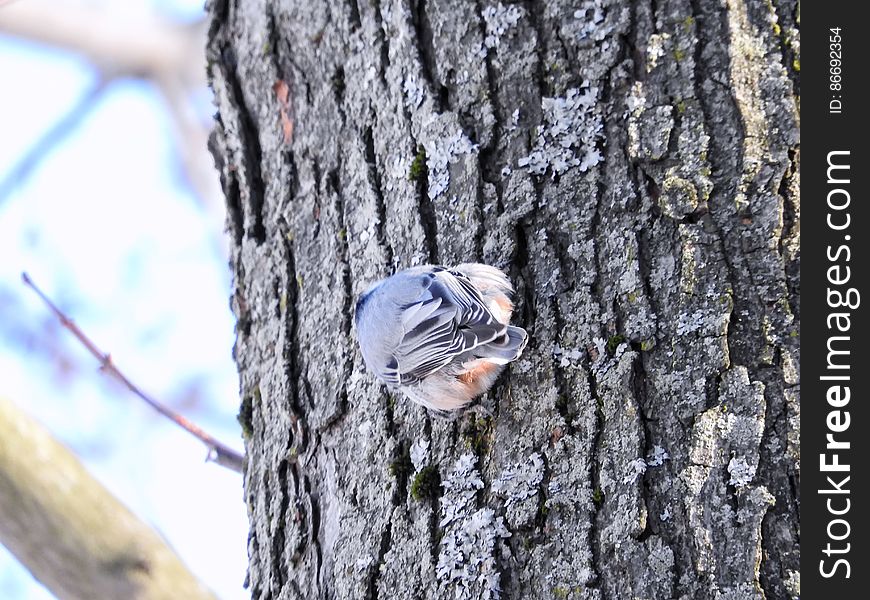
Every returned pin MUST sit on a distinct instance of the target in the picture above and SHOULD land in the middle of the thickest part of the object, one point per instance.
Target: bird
(440, 335)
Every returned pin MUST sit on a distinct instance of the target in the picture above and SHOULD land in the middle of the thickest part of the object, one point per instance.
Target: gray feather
(504, 349)
(419, 320)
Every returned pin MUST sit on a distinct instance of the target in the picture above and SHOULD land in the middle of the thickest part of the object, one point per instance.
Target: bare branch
(143, 46)
(217, 451)
(53, 136)
(74, 536)
(134, 46)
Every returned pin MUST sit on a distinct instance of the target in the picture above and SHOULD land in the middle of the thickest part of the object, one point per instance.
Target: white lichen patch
(582, 251)
(419, 454)
(603, 361)
(460, 488)
(655, 49)
(634, 469)
(521, 481)
(369, 76)
(369, 232)
(657, 457)
(600, 349)
(355, 379)
(663, 271)
(742, 473)
(397, 172)
(440, 154)
(567, 357)
(569, 134)
(793, 584)
(467, 558)
(414, 92)
(590, 20)
(523, 366)
(709, 322)
(498, 20)
(636, 100)
(365, 429)
(630, 280)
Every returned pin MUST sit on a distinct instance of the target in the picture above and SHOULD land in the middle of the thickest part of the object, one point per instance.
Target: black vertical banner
(835, 420)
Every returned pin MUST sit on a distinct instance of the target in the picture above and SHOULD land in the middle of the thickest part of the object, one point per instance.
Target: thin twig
(217, 452)
(52, 137)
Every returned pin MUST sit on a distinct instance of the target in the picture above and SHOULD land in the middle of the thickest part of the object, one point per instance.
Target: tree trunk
(633, 167)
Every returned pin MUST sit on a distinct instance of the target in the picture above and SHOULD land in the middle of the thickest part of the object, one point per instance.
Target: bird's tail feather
(505, 348)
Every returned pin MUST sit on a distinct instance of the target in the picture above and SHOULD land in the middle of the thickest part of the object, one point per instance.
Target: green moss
(688, 22)
(246, 413)
(299, 281)
(342, 234)
(267, 48)
(679, 55)
(776, 29)
(632, 297)
(613, 343)
(681, 106)
(282, 303)
(476, 433)
(796, 65)
(425, 484)
(338, 82)
(418, 166)
(647, 345)
(560, 593)
(401, 466)
(597, 496)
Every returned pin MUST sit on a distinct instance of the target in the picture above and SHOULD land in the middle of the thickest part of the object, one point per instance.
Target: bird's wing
(449, 318)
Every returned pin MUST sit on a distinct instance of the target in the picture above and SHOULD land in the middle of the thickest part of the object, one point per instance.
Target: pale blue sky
(106, 226)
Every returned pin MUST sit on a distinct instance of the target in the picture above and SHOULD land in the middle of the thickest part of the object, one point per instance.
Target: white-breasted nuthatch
(439, 335)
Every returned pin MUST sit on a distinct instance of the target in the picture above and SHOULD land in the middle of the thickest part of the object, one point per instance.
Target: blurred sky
(107, 227)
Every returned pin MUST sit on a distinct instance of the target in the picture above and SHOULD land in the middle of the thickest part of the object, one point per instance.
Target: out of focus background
(109, 200)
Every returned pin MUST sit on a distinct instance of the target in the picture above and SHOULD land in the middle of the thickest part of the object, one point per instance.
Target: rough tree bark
(634, 168)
